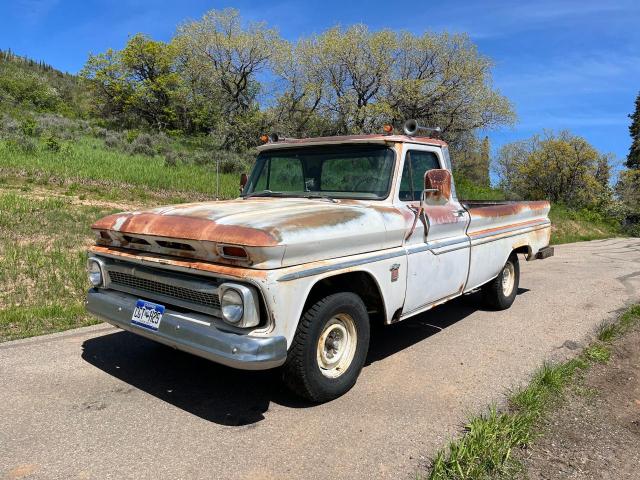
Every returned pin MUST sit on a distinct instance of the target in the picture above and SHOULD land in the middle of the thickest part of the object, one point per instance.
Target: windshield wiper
(263, 193)
(323, 197)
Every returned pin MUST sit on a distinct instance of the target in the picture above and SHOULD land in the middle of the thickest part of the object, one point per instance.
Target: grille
(210, 300)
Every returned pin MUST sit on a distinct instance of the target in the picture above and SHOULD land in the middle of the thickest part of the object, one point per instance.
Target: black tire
(493, 292)
(302, 372)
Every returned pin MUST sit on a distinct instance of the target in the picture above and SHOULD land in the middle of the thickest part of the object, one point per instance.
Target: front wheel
(500, 292)
(329, 348)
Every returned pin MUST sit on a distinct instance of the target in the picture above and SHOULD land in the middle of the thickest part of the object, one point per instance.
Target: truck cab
(329, 236)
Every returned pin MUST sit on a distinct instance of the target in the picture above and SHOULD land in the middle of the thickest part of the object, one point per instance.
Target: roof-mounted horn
(412, 128)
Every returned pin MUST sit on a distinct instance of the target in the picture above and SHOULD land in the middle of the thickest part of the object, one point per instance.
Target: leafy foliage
(561, 167)
(633, 159)
(208, 79)
(27, 84)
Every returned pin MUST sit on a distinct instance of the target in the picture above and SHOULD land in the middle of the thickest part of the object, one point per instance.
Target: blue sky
(563, 64)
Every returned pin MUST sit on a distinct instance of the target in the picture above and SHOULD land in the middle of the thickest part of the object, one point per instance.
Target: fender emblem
(395, 271)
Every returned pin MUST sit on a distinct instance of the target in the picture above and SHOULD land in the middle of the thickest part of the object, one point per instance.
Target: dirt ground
(596, 432)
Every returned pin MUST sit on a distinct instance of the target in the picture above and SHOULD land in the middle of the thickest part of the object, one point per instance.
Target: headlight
(94, 272)
(239, 305)
(232, 306)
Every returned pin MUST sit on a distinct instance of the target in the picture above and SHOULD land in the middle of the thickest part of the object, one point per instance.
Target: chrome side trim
(458, 243)
(339, 266)
(488, 237)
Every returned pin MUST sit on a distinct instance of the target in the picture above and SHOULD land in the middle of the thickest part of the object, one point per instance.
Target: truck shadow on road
(234, 397)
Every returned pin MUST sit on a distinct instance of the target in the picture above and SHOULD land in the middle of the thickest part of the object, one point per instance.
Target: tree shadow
(236, 397)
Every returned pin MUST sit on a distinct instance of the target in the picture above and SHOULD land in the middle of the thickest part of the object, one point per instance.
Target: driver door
(438, 248)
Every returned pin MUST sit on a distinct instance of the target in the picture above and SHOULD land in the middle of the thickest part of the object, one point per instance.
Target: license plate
(147, 315)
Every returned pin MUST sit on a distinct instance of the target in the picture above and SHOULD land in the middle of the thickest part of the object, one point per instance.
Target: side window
(284, 174)
(416, 162)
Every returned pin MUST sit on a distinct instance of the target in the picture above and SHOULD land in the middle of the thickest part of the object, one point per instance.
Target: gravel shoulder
(596, 431)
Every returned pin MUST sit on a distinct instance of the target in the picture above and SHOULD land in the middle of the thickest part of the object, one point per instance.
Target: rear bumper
(190, 333)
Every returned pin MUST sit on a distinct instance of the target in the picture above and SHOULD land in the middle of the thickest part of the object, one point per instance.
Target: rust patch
(354, 138)
(323, 218)
(503, 227)
(441, 214)
(194, 265)
(188, 228)
(440, 179)
(506, 209)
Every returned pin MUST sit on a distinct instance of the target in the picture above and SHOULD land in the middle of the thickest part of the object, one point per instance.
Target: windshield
(336, 171)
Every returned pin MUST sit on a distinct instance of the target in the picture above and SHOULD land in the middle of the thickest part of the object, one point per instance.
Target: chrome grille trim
(151, 286)
(197, 294)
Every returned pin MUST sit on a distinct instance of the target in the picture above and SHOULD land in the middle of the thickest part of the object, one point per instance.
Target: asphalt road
(101, 403)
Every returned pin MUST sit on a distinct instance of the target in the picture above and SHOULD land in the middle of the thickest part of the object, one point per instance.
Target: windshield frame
(253, 177)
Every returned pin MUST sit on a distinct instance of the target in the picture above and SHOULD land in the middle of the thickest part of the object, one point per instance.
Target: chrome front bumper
(190, 333)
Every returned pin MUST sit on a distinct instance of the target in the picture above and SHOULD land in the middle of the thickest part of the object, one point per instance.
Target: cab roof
(342, 139)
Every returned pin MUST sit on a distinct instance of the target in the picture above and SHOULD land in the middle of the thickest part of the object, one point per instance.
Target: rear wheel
(329, 348)
(500, 292)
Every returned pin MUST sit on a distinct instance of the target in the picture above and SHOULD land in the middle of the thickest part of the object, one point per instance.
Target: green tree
(139, 82)
(359, 79)
(559, 167)
(218, 47)
(633, 158)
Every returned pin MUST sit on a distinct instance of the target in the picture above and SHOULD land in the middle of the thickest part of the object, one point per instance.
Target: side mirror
(243, 181)
(437, 184)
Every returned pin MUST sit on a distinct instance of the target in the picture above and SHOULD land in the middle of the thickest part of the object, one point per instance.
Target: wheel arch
(362, 283)
(527, 250)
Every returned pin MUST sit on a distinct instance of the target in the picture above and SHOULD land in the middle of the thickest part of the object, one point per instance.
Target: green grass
(87, 161)
(485, 451)
(42, 263)
(598, 353)
(570, 225)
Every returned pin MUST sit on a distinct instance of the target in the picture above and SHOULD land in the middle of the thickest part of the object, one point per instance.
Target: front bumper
(190, 333)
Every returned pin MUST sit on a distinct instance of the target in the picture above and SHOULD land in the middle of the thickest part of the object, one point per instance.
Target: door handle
(459, 213)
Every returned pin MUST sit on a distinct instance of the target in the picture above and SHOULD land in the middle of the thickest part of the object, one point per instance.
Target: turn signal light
(230, 251)
(387, 129)
(264, 138)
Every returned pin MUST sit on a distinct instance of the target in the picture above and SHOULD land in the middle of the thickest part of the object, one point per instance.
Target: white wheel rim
(337, 345)
(508, 279)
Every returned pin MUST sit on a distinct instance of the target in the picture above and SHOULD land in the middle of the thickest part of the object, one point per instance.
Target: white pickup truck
(329, 236)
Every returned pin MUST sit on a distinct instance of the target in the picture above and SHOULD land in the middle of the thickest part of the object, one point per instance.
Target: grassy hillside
(568, 225)
(27, 85)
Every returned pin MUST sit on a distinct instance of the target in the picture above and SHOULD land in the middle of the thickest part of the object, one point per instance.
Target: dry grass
(42, 261)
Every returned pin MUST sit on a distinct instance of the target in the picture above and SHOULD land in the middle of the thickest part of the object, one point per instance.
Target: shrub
(142, 144)
(114, 140)
(29, 127)
(99, 132)
(171, 159)
(52, 144)
(131, 135)
(22, 143)
(8, 125)
(57, 123)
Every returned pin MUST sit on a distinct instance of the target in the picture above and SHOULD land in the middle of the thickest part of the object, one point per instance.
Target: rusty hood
(275, 231)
